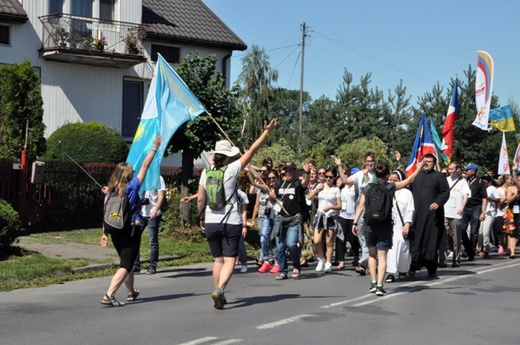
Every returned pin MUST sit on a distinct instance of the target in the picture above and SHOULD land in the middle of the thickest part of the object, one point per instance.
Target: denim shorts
(319, 223)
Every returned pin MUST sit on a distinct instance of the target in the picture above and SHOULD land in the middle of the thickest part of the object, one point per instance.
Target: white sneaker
(321, 264)
(243, 269)
(328, 267)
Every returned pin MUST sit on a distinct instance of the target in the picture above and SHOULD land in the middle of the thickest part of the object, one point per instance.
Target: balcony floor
(92, 58)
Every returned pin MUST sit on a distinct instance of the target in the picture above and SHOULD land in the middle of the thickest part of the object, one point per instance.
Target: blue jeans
(266, 228)
(470, 215)
(288, 239)
(153, 234)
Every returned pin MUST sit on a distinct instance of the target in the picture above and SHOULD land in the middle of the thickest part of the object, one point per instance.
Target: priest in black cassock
(430, 192)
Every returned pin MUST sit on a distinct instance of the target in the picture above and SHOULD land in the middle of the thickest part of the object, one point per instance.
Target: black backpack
(117, 217)
(378, 204)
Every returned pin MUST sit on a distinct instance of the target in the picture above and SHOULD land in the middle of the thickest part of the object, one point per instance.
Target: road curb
(100, 267)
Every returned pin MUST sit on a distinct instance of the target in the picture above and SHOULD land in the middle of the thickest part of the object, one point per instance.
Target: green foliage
(278, 153)
(352, 154)
(257, 93)
(9, 226)
(87, 142)
(21, 111)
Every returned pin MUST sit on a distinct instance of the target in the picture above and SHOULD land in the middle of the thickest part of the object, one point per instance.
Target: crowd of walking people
(391, 224)
(439, 217)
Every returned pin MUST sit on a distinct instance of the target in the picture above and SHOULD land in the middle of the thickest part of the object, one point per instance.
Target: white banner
(503, 162)
(483, 89)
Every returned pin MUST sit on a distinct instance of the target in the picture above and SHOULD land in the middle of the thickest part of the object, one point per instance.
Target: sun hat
(224, 147)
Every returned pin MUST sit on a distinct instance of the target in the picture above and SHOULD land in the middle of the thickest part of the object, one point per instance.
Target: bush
(86, 142)
(9, 226)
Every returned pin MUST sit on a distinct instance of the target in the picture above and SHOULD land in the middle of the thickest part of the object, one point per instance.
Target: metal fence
(67, 198)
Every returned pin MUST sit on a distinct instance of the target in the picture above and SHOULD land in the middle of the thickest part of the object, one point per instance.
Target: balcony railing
(92, 41)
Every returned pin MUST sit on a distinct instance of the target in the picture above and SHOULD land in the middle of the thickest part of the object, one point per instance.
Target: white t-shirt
(456, 197)
(153, 196)
(501, 193)
(361, 181)
(404, 200)
(491, 206)
(348, 202)
(230, 186)
(328, 196)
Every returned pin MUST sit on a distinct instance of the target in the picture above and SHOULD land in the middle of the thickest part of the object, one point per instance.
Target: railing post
(24, 165)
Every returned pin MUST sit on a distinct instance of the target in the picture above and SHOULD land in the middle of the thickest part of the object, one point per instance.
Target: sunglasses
(272, 178)
(264, 171)
(321, 173)
(329, 177)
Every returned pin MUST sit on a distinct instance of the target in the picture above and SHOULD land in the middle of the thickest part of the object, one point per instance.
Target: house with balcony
(95, 58)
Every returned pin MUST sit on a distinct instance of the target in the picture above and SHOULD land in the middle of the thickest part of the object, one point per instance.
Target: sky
(419, 42)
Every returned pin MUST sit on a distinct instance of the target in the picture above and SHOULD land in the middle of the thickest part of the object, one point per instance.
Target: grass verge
(26, 269)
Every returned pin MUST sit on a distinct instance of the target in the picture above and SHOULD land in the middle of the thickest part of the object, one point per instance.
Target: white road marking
(199, 341)
(229, 341)
(283, 322)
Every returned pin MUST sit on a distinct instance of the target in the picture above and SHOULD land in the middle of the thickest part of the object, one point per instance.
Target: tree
(199, 135)
(352, 154)
(256, 93)
(21, 112)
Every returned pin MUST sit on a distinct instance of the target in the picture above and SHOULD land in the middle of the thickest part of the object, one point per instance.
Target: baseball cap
(471, 166)
(354, 170)
(290, 166)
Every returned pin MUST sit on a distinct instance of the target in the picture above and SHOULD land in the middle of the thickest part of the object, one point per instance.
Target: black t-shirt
(291, 194)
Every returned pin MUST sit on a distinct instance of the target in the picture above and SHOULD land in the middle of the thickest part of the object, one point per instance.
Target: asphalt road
(475, 304)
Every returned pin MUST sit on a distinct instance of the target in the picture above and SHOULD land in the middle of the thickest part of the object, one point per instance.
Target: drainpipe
(224, 66)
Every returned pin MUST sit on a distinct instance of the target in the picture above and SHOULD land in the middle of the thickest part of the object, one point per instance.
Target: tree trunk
(187, 174)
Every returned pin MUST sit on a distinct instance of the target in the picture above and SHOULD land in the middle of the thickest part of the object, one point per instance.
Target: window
(81, 8)
(132, 107)
(106, 9)
(4, 34)
(55, 6)
(170, 54)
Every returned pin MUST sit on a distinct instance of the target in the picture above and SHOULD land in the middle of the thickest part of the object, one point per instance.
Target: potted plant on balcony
(99, 44)
(131, 45)
(60, 36)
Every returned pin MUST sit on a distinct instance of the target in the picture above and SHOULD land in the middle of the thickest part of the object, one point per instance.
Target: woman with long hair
(128, 240)
(325, 221)
(223, 226)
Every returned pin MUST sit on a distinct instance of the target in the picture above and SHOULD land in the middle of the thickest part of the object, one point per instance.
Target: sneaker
(217, 296)
(402, 275)
(136, 269)
(243, 269)
(151, 270)
(321, 265)
(237, 262)
(328, 267)
(390, 278)
(275, 269)
(266, 267)
(373, 288)
(380, 291)
(501, 250)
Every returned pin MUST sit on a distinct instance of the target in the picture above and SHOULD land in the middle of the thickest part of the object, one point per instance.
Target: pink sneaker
(266, 267)
(237, 261)
(500, 250)
(275, 269)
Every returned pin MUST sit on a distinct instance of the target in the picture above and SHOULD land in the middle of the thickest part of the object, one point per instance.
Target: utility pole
(300, 124)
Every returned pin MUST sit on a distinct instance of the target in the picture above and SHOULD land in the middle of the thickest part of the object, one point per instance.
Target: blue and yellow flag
(169, 104)
(502, 118)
